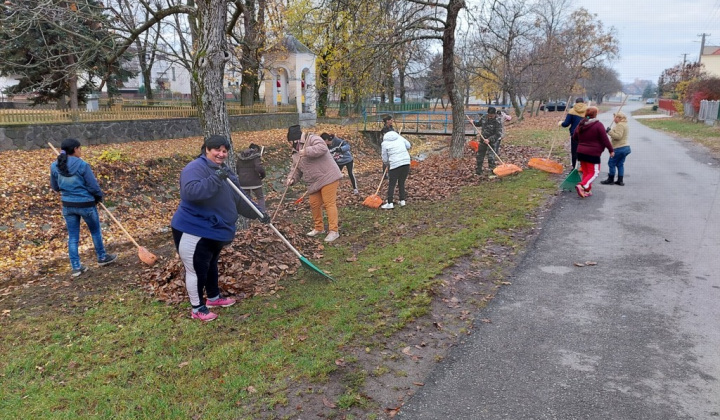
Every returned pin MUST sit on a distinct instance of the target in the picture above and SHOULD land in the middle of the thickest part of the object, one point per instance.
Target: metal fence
(709, 112)
(125, 113)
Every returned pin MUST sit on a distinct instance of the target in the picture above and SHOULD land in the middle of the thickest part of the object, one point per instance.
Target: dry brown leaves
(141, 189)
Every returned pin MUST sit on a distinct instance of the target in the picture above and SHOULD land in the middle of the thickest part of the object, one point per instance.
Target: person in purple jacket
(205, 222)
(592, 140)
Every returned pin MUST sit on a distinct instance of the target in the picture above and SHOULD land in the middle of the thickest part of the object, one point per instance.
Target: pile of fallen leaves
(140, 181)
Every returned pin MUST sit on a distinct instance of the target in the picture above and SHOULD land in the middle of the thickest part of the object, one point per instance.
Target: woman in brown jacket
(315, 165)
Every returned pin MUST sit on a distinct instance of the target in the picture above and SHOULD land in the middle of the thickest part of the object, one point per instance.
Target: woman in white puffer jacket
(395, 155)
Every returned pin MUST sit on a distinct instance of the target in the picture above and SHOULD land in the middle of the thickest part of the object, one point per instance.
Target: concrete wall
(27, 137)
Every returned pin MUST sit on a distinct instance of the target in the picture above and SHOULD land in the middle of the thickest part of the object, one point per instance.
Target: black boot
(609, 180)
(619, 181)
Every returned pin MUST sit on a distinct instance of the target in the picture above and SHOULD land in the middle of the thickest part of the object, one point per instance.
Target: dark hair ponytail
(68, 147)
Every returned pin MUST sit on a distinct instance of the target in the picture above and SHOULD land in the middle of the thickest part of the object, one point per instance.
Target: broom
(504, 169)
(546, 164)
(473, 144)
(143, 254)
(375, 201)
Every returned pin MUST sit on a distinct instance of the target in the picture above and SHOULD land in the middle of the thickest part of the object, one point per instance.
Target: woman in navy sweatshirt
(205, 222)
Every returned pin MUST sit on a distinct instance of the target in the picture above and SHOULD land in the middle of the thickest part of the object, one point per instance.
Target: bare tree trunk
(210, 62)
(323, 80)
(251, 47)
(72, 80)
(457, 144)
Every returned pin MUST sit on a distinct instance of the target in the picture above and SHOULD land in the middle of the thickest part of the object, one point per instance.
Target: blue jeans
(618, 161)
(72, 217)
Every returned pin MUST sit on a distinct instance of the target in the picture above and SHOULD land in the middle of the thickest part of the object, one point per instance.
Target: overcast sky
(654, 34)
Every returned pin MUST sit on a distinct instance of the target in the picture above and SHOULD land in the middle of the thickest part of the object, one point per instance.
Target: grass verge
(706, 135)
(124, 356)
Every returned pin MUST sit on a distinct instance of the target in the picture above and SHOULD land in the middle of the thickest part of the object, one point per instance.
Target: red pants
(590, 171)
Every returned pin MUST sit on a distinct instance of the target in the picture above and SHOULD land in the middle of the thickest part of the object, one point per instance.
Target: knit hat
(294, 133)
(215, 141)
(578, 100)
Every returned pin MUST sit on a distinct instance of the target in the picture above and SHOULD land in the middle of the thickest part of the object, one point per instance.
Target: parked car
(650, 101)
(554, 106)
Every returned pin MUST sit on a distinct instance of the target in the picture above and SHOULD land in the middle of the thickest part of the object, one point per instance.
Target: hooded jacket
(592, 139)
(574, 116)
(394, 149)
(619, 133)
(208, 205)
(81, 188)
(317, 168)
(249, 169)
(341, 151)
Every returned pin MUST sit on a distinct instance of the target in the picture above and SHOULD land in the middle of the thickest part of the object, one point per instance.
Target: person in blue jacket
(572, 119)
(80, 193)
(205, 222)
(340, 151)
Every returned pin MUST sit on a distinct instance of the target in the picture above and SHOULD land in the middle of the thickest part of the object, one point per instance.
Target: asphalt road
(636, 336)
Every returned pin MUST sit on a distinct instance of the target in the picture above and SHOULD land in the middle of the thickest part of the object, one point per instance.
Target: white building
(289, 78)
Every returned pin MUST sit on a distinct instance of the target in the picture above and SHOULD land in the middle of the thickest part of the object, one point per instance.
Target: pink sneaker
(203, 315)
(220, 302)
(581, 191)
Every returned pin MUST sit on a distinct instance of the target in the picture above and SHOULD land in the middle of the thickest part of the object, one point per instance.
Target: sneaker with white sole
(77, 271)
(355, 191)
(315, 232)
(402, 203)
(203, 314)
(387, 206)
(221, 302)
(331, 236)
(109, 259)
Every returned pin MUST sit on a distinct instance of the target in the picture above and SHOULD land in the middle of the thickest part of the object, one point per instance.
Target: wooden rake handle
(487, 143)
(119, 224)
(621, 105)
(259, 213)
(292, 171)
(381, 180)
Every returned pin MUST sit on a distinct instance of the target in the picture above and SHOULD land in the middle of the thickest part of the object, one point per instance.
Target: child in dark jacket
(340, 150)
(592, 141)
(250, 173)
(572, 119)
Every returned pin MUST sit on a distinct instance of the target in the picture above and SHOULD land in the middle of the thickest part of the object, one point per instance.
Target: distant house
(169, 78)
(710, 58)
(6, 82)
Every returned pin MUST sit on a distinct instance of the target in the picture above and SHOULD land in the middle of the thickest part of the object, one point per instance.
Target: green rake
(304, 261)
(571, 181)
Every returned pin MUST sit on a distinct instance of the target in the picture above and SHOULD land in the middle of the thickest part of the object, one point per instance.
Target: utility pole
(702, 45)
